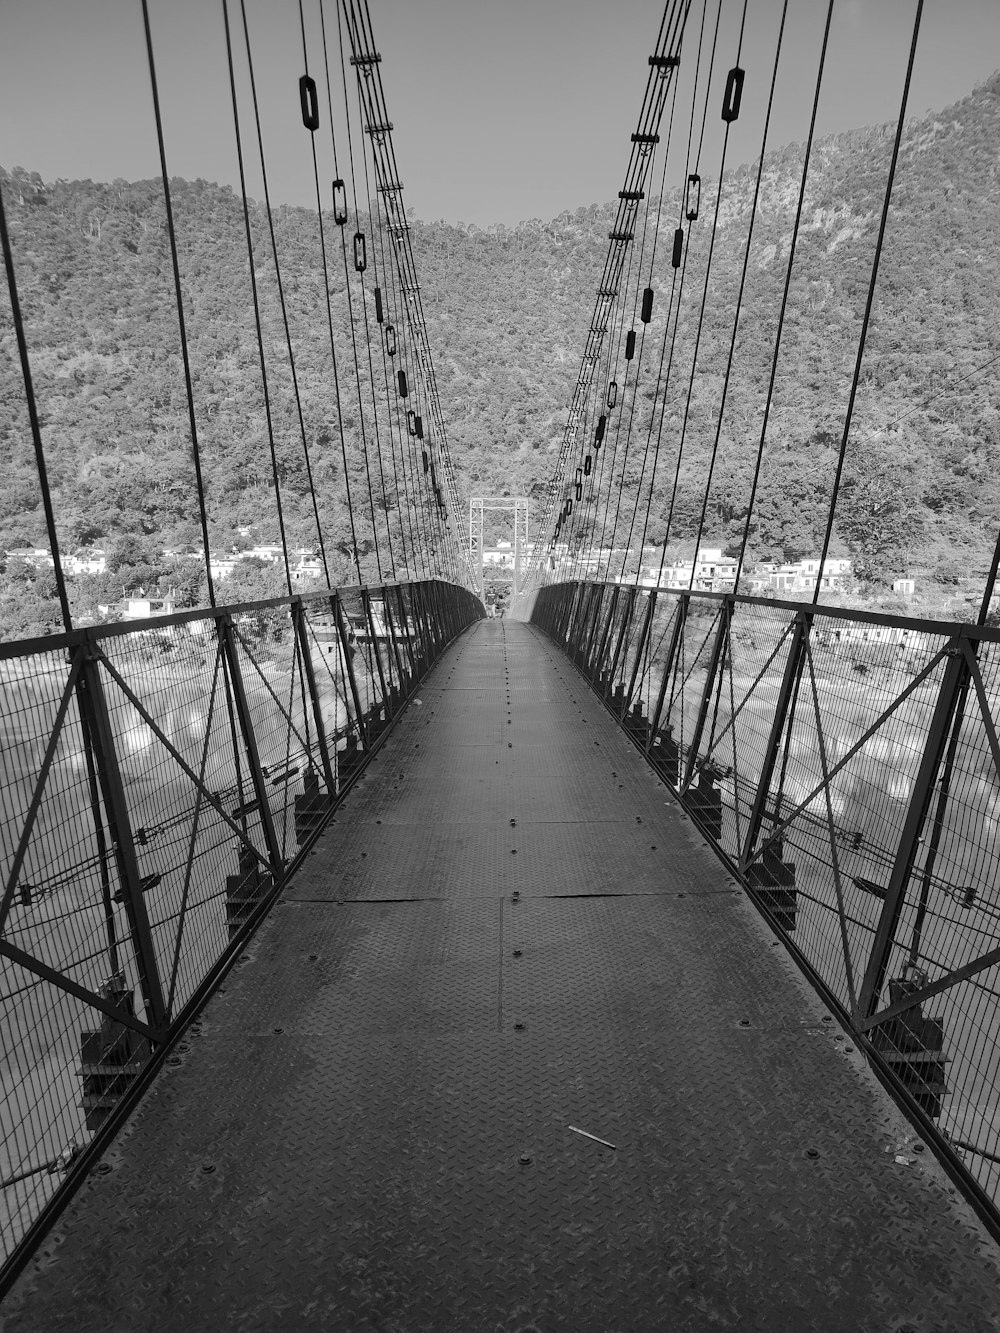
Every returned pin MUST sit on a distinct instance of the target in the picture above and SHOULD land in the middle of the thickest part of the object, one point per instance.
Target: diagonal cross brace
(39, 792)
(71, 987)
(179, 759)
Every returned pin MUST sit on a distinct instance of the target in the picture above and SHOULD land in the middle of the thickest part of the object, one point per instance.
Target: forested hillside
(508, 310)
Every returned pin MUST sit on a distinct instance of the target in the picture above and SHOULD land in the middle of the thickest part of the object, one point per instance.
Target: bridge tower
(517, 505)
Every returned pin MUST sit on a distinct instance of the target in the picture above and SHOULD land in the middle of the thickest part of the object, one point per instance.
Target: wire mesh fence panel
(844, 787)
(329, 654)
(623, 645)
(368, 667)
(759, 642)
(157, 779)
(403, 638)
(687, 683)
(603, 640)
(178, 752)
(58, 912)
(412, 620)
(849, 769)
(282, 720)
(663, 630)
(946, 1047)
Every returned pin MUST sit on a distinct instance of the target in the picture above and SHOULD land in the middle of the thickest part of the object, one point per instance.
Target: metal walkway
(509, 930)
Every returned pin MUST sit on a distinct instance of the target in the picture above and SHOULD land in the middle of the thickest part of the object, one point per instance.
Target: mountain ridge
(508, 312)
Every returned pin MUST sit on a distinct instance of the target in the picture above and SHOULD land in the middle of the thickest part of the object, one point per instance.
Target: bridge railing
(846, 766)
(159, 779)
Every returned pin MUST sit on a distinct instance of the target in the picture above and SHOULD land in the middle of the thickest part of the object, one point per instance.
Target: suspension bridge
(627, 963)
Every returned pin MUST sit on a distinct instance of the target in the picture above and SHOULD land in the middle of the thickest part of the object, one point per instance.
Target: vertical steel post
(564, 611)
(574, 614)
(421, 618)
(346, 652)
(647, 621)
(242, 705)
(718, 647)
(955, 675)
(937, 822)
(476, 539)
(301, 630)
(680, 620)
(428, 596)
(606, 631)
(520, 541)
(789, 679)
(406, 637)
(599, 589)
(630, 596)
(366, 602)
(96, 722)
(391, 627)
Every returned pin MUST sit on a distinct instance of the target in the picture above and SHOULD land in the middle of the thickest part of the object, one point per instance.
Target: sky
(502, 110)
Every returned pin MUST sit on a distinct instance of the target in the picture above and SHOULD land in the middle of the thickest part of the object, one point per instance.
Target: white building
(801, 575)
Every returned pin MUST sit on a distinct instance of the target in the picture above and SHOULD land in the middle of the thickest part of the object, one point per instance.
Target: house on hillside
(87, 561)
(308, 569)
(801, 575)
(501, 555)
(141, 606)
(39, 557)
(223, 565)
(710, 571)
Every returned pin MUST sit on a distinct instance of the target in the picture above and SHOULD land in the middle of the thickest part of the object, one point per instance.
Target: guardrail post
(301, 629)
(428, 594)
(570, 602)
(393, 655)
(683, 602)
(242, 706)
(421, 657)
(596, 623)
(97, 722)
(952, 686)
(647, 621)
(366, 602)
(630, 597)
(347, 654)
(789, 680)
(606, 634)
(718, 647)
(408, 672)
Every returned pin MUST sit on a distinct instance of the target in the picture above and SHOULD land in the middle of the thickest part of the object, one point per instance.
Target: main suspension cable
(666, 327)
(374, 222)
(688, 210)
(665, 58)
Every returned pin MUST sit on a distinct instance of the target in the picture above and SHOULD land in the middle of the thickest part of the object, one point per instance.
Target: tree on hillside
(878, 513)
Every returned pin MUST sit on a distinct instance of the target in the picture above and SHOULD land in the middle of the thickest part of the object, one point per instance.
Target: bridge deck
(508, 930)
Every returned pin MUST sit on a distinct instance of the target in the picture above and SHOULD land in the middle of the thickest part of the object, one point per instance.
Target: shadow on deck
(511, 933)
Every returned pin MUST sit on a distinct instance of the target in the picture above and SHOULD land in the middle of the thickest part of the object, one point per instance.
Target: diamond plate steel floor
(508, 930)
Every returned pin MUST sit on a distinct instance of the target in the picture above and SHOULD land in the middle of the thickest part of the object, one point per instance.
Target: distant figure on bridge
(491, 605)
